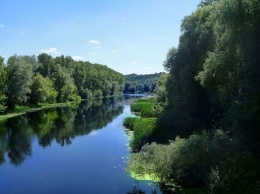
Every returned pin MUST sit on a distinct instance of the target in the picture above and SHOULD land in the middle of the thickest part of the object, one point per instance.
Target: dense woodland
(27, 80)
(141, 83)
(209, 104)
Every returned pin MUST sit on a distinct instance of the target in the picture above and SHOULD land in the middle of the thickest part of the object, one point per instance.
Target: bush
(202, 160)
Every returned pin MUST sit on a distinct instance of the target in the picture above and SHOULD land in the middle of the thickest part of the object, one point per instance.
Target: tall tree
(19, 79)
(2, 85)
(188, 101)
(64, 84)
(47, 63)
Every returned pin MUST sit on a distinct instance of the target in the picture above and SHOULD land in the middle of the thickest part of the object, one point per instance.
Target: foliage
(129, 122)
(90, 77)
(42, 90)
(2, 85)
(28, 81)
(143, 128)
(161, 94)
(141, 83)
(207, 160)
(144, 106)
(19, 79)
(213, 83)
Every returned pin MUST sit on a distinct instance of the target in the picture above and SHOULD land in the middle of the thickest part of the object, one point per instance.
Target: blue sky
(129, 36)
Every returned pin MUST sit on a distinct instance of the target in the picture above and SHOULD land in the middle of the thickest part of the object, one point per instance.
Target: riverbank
(25, 109)
(20, 110)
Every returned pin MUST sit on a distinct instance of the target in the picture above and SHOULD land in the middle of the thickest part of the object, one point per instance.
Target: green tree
(64, 84)
(161, 89)
(167, 64)
(2, 85)
(19, 79)
(188, 101)
(47, 63)
(42, 90)
(31, 60)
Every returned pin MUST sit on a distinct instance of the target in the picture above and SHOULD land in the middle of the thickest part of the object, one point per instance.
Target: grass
(129, 122)
(144, 106)
(143, 127)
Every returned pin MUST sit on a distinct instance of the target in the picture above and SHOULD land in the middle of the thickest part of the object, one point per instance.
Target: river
(80, 149)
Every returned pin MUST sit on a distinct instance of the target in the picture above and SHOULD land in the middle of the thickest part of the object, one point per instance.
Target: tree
(167, 64)
(141, 83)
(31, 60)
(188, 101)
(47, 63)
(19, 79)
(206, 2)
(64, 84)
(43, 90)
(2, 85)
(161, 89)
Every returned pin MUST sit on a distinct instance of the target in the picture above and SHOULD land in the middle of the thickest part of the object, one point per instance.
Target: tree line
(29, 80)
(209, 104)
(141, 83)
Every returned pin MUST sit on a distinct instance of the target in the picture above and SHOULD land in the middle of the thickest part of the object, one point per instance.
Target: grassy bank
(144, 107)
(142, 127)
(20, 110)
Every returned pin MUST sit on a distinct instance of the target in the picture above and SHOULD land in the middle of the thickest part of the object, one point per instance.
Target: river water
(80, 149)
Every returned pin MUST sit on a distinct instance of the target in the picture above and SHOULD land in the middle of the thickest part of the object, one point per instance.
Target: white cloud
(50, 51)
(2, 25)
(114, 51)
(94, 42)
(133, 62)
(77, 58)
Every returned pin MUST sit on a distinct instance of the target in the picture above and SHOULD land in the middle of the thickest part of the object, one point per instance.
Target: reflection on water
(60, 124)
(76, 149)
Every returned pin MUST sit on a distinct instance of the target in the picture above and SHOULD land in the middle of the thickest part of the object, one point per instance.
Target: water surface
(80, 149)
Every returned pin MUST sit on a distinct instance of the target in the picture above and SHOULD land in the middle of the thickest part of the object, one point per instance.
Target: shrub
(207, 160)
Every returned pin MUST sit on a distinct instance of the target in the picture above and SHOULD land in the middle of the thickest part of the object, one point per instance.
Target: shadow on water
(137, 190)
(59, 124)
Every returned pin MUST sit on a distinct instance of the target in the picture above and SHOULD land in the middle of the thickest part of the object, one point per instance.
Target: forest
(208, 107)
(141, 83)
(30, 81)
